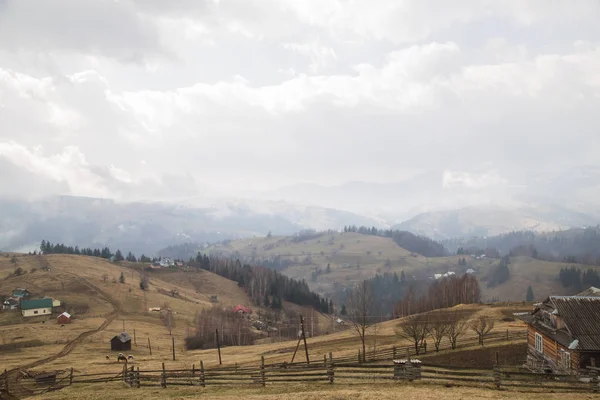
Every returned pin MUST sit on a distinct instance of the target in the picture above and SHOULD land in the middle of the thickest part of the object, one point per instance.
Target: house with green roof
(20, 293)
(36, 308)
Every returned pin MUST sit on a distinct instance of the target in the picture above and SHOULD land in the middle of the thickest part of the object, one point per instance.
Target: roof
(38, 303)
(581, 315)
(240, 307)
(591, 291)
(123, 337)
(66, 314)
(11, 301)
(19, 291)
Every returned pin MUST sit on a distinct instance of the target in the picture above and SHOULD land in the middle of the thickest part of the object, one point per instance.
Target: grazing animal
(130, 357)
(107, 357)
(62, 326)
(121, 357)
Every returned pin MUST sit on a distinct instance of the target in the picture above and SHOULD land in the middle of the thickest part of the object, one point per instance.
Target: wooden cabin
(563, 334)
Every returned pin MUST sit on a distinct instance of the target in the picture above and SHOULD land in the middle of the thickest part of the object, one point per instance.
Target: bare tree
(359, 305)
(166, 314)
(414, 328)
(482, 326)
(438, 326)
(457, 325)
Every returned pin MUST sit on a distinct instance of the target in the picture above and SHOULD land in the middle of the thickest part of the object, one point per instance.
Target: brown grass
(303, 392)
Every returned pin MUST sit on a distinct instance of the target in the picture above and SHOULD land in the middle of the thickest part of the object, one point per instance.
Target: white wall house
(36, 308)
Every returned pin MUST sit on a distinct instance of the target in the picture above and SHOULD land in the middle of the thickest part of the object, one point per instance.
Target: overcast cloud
(156, 99)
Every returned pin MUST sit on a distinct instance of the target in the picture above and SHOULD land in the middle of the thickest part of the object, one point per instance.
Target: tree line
(264, 286)
(575, 246)
(46, 247)
(407, 240)
(576, 279)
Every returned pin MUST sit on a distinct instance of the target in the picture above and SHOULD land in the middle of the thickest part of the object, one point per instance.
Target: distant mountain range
(144, 227)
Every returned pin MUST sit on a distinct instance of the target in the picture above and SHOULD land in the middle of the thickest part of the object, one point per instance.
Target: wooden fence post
(6, 383)
(394, 353)
(359, 359)
(124, 373)
(70, 377)
(131, 376)
(149, 346)
(330, 372)
(507, 335)
(202, 381)
(325, 360)
(137, 378)
(263, 376)
(173, 346)
(163, 380)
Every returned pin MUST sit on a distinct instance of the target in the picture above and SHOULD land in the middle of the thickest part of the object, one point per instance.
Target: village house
(563, 334)
(241, 310)
(20, 293)
(55, 302)
(35, 308)
(10, 304)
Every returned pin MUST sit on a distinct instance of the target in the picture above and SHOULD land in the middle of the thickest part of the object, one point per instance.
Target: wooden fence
(380, 367)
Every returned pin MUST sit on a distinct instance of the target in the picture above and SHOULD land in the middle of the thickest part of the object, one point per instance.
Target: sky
(152, 99)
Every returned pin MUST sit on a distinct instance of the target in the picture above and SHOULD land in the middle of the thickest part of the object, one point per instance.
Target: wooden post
(394, 353)
(263, 378)
(6, 383)
(149, 346)
(70, 377)
(507, 335)
(330, 370)
(163, 381)
(325, 360)
(173, 346)
(218, 345)
(304, 339)
(296, 350)
(131, 377)
(137, 378)
(123, 325)
(124, 373)
(202, 382)
(134, 338)
(359, 359)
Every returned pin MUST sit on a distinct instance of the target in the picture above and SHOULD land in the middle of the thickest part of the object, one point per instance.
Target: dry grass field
(344, 251)
(305, 392)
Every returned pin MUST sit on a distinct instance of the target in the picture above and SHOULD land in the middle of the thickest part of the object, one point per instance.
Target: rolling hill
(353, 257)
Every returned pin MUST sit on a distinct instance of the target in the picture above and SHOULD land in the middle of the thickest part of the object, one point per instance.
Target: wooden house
(563, 334)
(20, 293)
(121, 342)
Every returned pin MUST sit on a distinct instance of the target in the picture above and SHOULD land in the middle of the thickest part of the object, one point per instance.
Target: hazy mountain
(493, 220)
(145, 227)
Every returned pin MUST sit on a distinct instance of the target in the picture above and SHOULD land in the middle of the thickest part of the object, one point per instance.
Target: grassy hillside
(354, 257)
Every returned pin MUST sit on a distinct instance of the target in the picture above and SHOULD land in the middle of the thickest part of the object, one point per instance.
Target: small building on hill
(35, 308)
(20, 293)
(55, 302)
(240, 309)
(10, 304)
(121, 342)
(64, 318)
(563, 334)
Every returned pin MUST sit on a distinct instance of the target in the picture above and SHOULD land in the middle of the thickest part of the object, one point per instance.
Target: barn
(64, 318)
(121, 342)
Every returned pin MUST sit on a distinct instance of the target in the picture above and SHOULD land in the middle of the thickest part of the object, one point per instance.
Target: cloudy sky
(146, 98)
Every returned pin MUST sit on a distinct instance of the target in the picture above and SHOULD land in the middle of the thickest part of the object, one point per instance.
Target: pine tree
(119, 256)
(402, 277)
(529, 296)
(122, 278)
(343, 310)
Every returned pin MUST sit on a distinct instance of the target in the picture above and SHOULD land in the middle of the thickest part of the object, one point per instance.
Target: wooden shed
(64, 318)
(121, 342)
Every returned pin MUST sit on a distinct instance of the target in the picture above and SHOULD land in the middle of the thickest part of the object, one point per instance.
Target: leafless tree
(438, 326)
(414, 328)
(482, 326)
(458, 323)
(167, 316)
(359, 305)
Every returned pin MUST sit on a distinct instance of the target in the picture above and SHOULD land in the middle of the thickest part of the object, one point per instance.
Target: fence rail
(379, 367)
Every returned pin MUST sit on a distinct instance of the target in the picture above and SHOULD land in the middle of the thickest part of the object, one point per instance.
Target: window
(539, 343)
(35, 312)
(566, 360)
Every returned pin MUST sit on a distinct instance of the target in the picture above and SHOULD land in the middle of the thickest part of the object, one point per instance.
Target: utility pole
(304, 339)
(123, 325)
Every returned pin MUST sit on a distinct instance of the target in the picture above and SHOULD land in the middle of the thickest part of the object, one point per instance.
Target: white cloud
(320, 56)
